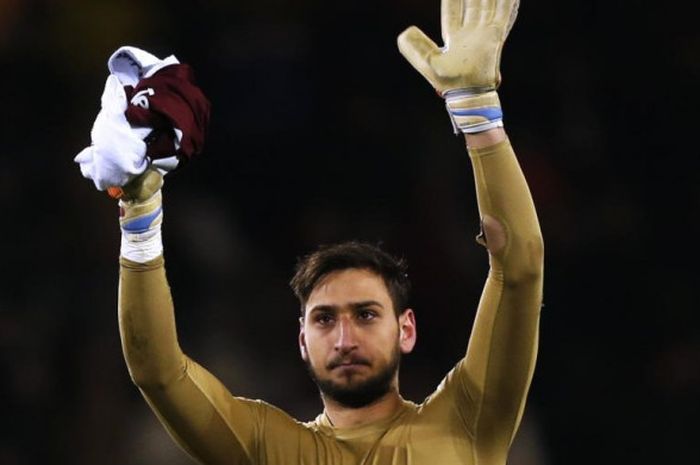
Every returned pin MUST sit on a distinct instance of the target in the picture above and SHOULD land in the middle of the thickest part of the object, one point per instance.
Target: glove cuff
(473, 111)
(140, 223)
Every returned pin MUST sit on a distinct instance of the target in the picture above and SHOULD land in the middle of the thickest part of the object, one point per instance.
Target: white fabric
(131, 64)
(163, 165)
(118, 152)
(141, 248)
(476, 128)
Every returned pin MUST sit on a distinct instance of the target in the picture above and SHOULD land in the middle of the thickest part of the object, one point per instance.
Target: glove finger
(451, 12)
(506, 13)
(418, 49)
(487, 11)
(472, 11)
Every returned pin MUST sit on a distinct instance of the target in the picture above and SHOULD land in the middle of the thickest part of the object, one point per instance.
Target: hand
(141, 216)
(474, 32)
(140, 188)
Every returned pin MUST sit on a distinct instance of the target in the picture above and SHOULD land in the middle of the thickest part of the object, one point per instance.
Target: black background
(322, 132)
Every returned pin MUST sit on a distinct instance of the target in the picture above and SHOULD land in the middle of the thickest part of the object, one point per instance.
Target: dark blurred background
(322, 132)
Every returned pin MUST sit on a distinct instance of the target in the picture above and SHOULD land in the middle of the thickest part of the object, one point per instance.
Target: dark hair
(314, 267)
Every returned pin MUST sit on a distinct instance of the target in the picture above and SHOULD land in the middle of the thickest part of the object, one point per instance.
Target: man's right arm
(209, 423)
(197, 410)
(201, 415)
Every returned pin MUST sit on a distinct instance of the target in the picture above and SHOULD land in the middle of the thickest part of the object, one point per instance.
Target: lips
(352, 363)
(348, 369)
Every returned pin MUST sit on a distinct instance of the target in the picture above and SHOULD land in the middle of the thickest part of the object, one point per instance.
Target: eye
(366, 315)
(324, 319)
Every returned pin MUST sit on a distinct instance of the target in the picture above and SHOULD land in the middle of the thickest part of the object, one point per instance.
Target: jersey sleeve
(490, 384)
(500, 360)
(212, 425)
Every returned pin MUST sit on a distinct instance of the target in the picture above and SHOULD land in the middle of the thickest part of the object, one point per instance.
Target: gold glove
(140, 203)
(466, 70)
(140, 188)
(141, 216)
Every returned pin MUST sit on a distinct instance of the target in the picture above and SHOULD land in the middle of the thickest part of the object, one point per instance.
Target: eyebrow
(353, 305)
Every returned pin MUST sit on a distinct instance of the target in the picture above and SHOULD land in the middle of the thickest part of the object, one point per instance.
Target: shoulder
(281, 436)
(274, 419)
(451, 402)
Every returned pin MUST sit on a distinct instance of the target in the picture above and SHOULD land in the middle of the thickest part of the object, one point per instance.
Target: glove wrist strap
(473, 110)
(141, 228)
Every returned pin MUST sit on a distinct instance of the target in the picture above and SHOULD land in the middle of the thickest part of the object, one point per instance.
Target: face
(351, 339)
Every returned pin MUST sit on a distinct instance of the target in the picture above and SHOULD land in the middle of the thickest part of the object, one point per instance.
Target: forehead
(343, 287)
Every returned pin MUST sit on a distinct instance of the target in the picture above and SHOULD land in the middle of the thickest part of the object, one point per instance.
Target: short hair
(312, 268)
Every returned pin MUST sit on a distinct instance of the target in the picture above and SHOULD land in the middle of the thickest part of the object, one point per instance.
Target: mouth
(348, 370)
(348, 364)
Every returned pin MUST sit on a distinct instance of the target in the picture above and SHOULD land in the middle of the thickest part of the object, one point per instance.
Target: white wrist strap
(140, 224)
(141, 248)
(473, 110)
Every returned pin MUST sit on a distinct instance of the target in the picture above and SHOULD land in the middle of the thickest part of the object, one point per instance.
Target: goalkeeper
(355, 324)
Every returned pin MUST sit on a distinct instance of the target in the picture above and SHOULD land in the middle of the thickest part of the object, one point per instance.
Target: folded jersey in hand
(153, 114)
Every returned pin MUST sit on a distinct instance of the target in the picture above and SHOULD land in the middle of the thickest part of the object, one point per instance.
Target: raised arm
(500, 360)
(200, 414)
(493, 379)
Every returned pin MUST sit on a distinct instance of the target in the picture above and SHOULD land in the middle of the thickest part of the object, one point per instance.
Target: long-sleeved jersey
(471, 418)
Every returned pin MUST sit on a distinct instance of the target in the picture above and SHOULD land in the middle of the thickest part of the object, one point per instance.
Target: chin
(358, 387)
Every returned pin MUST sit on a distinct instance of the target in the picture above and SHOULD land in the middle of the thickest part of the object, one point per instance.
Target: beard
(357, 394)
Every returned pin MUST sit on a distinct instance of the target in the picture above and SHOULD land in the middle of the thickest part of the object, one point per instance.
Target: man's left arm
(500, 359)
(492, 381)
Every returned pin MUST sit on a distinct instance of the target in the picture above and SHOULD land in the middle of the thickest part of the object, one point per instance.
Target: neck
(342, 416)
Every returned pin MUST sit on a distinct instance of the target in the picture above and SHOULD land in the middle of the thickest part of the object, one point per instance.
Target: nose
(346, 341)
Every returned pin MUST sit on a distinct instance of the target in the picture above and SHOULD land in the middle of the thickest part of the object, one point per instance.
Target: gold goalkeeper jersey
(470, 419)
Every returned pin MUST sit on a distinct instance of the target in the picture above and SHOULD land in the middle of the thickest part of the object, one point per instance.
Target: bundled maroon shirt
(170, 100)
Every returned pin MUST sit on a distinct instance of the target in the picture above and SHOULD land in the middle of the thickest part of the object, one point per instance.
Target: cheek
(387, 334)
(382, 346)
(316, 351)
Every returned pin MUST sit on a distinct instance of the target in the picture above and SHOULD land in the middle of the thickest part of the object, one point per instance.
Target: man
(355, 324)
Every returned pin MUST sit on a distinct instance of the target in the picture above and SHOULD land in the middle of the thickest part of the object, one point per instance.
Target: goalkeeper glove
(466, 70)
(141, 216)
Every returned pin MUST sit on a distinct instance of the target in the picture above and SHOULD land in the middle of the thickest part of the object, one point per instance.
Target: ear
(407, 331)
(302, 340)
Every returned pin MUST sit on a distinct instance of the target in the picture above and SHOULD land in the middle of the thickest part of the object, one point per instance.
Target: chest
(403, 445)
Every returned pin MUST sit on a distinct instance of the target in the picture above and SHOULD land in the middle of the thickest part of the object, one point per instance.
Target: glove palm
(474, 32)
